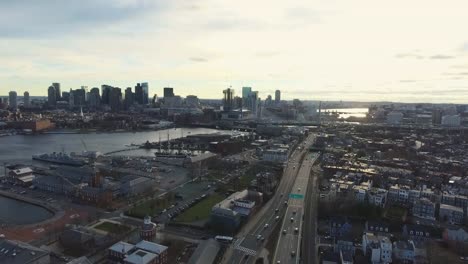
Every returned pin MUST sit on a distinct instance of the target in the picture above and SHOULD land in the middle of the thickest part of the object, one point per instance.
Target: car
(277, 218)
(284, 231)
(298, 189)
(259, 236)
(285, 202)
(296, 230)
(281, 195)
(263, 239)
(276, 210)
(292, 219)
(294, 212)
(266, 226)
(294, 167)
(293, 253)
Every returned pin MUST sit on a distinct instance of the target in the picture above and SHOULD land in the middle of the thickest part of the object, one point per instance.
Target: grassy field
(150, 207)
(200, 210)
(113, 228)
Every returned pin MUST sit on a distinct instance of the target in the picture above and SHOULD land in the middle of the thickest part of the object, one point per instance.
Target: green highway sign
(296, 196)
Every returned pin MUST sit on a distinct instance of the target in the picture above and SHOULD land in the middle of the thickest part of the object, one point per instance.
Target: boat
(59, 158)
(167, 156)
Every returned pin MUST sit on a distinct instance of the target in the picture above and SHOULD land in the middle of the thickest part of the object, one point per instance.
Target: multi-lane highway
(289, 243)
(256, 232)
(309, 241)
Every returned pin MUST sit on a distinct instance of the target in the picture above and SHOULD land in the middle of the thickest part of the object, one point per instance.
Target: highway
(253, 236)
(288, 248)
(309, 242)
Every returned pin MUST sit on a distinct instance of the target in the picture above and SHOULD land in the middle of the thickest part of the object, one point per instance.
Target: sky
(362, 50)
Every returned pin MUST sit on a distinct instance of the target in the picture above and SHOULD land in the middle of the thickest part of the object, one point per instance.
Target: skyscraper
(245, 94)
(94, 98)
(79, 96)
(277, 96)
(145, 92)
(246, 91)
(85, 88)
(26, 99)
(129, 97)
(168, 92)
(51, 96)
(139, 94)
(71, 99)
(115, 99)
(105, 93)
(228, 101)
(252, 102)
(57, 91)
(13, 100)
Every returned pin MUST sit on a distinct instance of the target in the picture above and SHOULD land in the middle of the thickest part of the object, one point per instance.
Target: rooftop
(140, 257)
(122, 247)
(16, 252)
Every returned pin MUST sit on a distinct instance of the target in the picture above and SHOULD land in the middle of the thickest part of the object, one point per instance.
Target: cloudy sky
(400, 50)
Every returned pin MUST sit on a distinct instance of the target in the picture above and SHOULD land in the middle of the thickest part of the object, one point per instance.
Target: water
(20, 148)
(349, 112)
(21, 213)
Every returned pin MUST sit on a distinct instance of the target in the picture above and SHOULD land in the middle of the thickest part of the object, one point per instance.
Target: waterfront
(349, 112)
(14, 212)
(20, 148)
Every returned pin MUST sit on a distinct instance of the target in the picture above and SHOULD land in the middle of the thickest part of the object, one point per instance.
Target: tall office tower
(105, 93)
(115, 99)
(268, 101)
(26, 99)
(129, 97)
(139, 94)
(94, 98)
(252, 102)
(228, 101)
(245, 95)
(71, 99)
(79, 96)
(65, 96)
(13, 100)
(85, 88)
(277, 96)
(51, 96)
(145, 92)
(246, 91)
(168, 92)
(57, 91)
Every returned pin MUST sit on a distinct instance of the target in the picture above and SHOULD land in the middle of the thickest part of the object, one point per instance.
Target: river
(20, 148)
(349, 112)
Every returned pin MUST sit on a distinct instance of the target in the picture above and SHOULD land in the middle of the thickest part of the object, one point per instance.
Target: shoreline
(55, 211)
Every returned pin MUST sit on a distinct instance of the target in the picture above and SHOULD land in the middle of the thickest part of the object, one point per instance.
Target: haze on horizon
(407, 51)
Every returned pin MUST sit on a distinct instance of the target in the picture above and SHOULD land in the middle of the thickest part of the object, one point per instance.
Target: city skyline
(399, 51)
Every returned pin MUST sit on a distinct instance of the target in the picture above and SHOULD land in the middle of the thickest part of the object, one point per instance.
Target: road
(309, 242)
(288, 248)
(254, 234)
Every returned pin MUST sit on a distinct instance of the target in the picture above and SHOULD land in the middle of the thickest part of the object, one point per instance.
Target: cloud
(408, 81)
(441, 57)
(267, 54)
(52, 19)
(409, 56)
(198, 59)
(464, 47)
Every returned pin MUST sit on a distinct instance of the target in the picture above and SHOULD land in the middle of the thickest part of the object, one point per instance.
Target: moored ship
(59, 158)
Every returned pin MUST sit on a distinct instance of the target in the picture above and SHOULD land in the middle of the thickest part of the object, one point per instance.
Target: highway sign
(296, 196)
